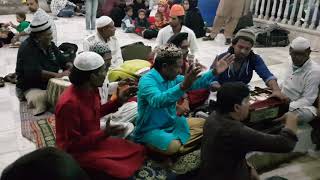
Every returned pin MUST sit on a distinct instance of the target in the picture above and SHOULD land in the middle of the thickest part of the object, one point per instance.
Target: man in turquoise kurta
(157, 124)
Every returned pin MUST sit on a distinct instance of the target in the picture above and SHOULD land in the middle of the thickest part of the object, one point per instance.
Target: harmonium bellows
(264, 110)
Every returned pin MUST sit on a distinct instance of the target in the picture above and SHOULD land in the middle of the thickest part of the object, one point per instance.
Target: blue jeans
(91, 13)
(67, 11)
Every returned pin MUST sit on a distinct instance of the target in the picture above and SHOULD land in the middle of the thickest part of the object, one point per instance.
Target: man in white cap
(39, 13)
(78, 130)
(105, 33)
(302, 80)
(38, 60)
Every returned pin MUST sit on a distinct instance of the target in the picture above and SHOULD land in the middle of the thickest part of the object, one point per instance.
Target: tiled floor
(13, 145)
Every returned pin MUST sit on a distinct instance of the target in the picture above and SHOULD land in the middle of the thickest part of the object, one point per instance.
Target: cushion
(129, 69)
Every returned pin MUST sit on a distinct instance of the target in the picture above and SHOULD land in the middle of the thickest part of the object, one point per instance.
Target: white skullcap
(300, 44)
(103, 21)
(88, 61)
(40, 23)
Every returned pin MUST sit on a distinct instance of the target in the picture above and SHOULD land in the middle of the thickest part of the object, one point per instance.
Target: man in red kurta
(78, 114)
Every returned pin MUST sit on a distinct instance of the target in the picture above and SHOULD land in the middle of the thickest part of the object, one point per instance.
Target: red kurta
(78, 116)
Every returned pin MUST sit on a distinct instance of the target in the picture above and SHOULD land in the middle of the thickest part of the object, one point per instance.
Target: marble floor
(13, 145)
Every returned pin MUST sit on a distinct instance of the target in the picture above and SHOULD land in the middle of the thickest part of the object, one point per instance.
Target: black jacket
(31, 60)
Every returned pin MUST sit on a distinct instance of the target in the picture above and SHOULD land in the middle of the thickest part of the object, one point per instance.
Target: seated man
(63, 8)
(302, 80)
(38, 60)
(226, 140)
(78, 113)
(106, 34)
(175, 26)
(128, 111)
(157, 124)
(245, 63)
(194, 98)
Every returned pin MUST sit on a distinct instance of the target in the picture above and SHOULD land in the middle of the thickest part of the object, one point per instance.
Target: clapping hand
(219, 66)
(114, 130)
(191, 76)
(124, 94)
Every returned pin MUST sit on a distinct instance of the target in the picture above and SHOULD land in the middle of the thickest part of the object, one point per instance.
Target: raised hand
(126, 93)
(191, 76)
(222, 64)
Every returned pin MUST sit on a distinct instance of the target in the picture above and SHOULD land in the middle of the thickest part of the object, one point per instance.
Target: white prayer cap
(40, 23)
(103, 21)
(300, 44)
(88, 61)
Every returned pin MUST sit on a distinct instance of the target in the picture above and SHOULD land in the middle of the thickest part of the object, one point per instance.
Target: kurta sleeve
(149, 90)
(262, 70)
(194, 49)
(117, 59)
(204, 81)
(310, 92)
(247, 139)
(68, 116)
(109, 107)
(119, 54)
(159, 40)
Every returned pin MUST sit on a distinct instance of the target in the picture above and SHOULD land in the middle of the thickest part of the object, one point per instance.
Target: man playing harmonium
(302, 80)
(245, 63)
(226, 140)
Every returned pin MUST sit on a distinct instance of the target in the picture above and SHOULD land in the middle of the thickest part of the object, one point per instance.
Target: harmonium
(264, 110)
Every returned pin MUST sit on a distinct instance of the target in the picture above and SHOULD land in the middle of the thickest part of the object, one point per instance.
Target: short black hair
(78, 77)
(178, 38)
(230, 94)
(236, 39)
(128, 8)
(21, 15)
(47, 163)
(159, 61)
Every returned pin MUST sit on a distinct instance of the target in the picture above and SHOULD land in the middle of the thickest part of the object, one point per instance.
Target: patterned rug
(38, 129)
(41, 131)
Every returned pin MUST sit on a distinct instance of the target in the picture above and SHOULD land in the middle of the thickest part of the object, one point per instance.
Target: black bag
(270, 36)
(244, 22)
(135, 51)
(69, 51)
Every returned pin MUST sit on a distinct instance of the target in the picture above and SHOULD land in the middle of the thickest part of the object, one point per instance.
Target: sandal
(2, 82)
(12, 78)
(208, 38)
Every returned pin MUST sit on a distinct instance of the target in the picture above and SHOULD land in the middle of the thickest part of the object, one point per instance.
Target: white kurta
(302, 86)
(113, 45)
(166, 32)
